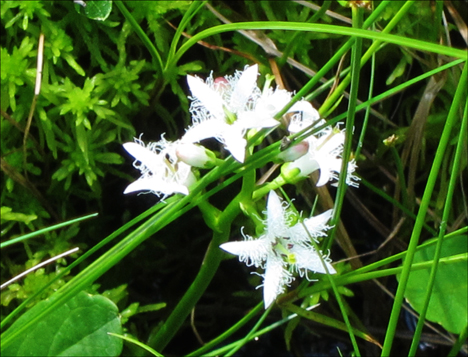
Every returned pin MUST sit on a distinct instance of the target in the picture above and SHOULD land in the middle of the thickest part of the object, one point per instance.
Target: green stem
(267, 329)
(251, 333)
(368, 110)
(351, 278)
(445, 216)
(207, 271)
(44, 230)
(229, 332)
(292, 43)
(387, 94)
(372, 49)
(459, 344)
(335, 58)
(325, 320)
(190, 13)
(451, 118)
(102, 264)
(355, 72)
(143, 37)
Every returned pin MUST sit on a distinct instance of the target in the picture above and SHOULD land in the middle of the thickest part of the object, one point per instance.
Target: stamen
(230, 117)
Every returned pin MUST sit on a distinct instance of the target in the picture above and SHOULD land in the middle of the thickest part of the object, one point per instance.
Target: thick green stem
(207, 271)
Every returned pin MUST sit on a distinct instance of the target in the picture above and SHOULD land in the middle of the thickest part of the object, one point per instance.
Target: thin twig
(37, 90)
(388, 239)
(194, 328)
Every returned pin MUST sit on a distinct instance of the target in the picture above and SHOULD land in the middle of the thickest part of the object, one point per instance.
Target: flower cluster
(283, 248)
(226, 109)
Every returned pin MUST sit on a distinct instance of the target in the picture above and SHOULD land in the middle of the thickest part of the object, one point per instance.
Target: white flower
(283, 248)
(325, 149)
(161, 171)
(227, 107)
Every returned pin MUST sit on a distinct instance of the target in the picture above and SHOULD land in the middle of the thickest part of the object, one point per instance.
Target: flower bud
(294, 152)
(195, 155)
(291, 174)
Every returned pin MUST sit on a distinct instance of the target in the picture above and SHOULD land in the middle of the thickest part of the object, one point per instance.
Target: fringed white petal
(276, 217)
(147, 157)
(211, 128)
(314, 227)
(209, 98)
(251, 251)
(275, 278)
(243, 89)
(309, 259)
(157, 186)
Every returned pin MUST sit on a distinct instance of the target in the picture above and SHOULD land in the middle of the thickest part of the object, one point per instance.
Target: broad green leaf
(449, 302)
(78, 328)
(95, 10)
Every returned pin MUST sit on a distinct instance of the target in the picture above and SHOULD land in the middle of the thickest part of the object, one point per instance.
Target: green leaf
(108, 158)
(78, 328)
(399, 69)
(95, 10)
(6, 214)
(449, 302)
(82, 139)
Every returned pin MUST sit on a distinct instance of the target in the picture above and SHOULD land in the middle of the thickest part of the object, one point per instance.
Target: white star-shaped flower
(325, 149)
(283, 249)
(225, 108)
(162, 173)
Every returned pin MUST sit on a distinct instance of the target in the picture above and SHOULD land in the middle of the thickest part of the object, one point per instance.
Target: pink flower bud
(294, 152)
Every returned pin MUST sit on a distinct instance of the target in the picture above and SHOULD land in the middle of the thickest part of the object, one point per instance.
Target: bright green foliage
(32, 283)
(78, 328)
(27, 11)
(77, 118)
(55, 243)
(449, 299)
(6, 214)
(8, 218)
(94, 87)
(13, 73)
